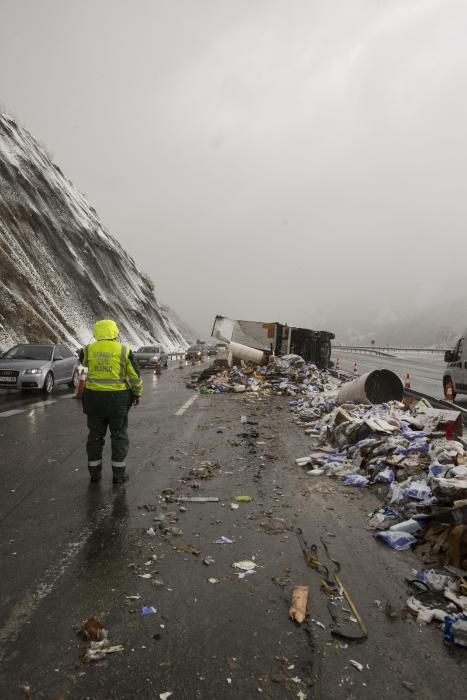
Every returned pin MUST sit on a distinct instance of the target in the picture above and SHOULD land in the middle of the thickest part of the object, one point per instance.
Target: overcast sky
(263, 159)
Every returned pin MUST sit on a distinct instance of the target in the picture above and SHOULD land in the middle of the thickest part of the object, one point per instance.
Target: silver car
(150, 356)
(38, 367)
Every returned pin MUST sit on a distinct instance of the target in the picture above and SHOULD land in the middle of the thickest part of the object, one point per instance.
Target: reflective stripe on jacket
(110, 368)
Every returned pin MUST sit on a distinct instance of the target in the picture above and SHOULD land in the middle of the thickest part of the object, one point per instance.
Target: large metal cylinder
(378, 386)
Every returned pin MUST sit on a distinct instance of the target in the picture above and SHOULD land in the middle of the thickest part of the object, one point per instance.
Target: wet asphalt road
(425, 369)
(70, 550)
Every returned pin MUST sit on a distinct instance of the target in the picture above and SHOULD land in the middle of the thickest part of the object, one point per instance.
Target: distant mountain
(60, 270)
(436, 325)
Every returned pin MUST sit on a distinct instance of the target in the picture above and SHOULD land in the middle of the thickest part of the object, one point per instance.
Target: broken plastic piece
(299, 602)
(198, 499)
(223, 540)
(245, 565)
(242, 499)
(357, 665)
(149, 610)
(397, 540)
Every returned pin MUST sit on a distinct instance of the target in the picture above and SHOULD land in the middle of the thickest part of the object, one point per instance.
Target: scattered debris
(357, 665)
(223, 540)
(245, 565)
(149, 610)
(297, 609)
(92, 629)
(198, 499)
(213, 580)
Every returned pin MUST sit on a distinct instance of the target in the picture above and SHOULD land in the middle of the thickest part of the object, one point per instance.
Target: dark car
(40, 367)
(211, 350)
(150, 356)
(195, 352)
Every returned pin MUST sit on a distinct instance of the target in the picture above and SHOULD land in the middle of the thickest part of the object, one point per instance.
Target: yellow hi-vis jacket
(110, 368)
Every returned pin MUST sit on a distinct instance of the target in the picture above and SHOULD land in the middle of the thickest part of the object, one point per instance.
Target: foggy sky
(262, 159)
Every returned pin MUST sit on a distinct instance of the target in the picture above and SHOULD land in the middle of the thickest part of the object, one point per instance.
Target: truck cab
(455, 373)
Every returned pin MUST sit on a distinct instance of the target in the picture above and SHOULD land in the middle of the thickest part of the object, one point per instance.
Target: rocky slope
(60, 270)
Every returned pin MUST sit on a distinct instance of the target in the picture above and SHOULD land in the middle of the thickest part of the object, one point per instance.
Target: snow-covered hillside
(60, 270)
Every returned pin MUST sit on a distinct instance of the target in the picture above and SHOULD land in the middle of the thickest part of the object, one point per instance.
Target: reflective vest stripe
(103, 381)
(123, 355)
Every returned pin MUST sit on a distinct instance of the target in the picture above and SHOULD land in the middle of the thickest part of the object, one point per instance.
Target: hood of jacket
(105, 330)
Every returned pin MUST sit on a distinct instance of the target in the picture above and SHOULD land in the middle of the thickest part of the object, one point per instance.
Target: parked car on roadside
(151, 355)
(211, 350)
(38, 366)
(195, 352)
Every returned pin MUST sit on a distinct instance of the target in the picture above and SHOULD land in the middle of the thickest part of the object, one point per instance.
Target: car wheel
(74, 380)
(48, 383)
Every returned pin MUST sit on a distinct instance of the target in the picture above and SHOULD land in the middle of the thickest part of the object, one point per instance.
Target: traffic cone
(355, 368)
(157, 369)
(80, 387)
(449, 392)
(407, 381)
(338, 364)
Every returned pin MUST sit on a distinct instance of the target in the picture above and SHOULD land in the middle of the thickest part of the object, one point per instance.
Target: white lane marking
(185, 406)
(29, 407)
(24, 609)
(13, 412)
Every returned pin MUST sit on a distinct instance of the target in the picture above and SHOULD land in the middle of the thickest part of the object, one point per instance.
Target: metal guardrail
(383, 350)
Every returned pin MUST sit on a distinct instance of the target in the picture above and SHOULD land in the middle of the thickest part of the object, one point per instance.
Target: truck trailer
(273, 339)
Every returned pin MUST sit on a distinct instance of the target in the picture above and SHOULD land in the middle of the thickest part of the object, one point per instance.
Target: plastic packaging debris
(198, 499)
(208, 561)
(234, 506)
(455, 629)
(355, 480)
(424, 614)
(436, 581)
(242, 499)
(357, 665)
(412, 526)
(148, 610)
(145, 575)
(383, 518)
(419, 490)
(316, 472)
(396, 540)
(303, 461)
(223, 540)
(213, 580)
(245, 565)
(385, 476)
(99, 650)
(297, 609)
(165, 696)
(151, 531)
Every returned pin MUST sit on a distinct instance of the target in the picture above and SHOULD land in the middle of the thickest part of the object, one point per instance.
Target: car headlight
(33, 371)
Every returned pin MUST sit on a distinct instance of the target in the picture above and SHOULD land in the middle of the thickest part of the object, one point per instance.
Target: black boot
(119, 476)
(95, 473)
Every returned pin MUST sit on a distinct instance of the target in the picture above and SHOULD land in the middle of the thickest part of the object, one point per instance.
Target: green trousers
(118, 426)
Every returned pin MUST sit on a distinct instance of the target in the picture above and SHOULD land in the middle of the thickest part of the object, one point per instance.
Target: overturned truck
(256, 341)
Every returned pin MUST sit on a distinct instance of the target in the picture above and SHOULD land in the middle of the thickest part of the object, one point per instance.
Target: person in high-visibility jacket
(113, 385)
